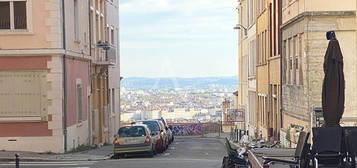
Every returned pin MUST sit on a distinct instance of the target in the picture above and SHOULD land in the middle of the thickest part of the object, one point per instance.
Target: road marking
(168, 159)
(64, 162)
(75, 167)
(78, 163)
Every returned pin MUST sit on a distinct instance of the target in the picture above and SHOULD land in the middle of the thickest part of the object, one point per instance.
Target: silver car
(134, 138)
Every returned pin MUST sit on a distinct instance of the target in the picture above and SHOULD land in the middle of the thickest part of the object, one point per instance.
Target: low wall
(194, 129)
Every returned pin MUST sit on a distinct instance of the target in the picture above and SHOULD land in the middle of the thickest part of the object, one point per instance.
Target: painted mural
(187, 129)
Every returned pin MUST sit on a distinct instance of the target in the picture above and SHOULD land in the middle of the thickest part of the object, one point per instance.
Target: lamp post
(239, 26)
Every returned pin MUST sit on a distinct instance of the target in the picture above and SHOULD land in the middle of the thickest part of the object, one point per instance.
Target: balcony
(109, 57)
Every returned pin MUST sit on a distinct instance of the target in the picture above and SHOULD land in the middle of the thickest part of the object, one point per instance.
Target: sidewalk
(102, 153)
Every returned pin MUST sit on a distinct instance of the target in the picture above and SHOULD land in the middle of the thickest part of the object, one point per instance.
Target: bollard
(17, 160)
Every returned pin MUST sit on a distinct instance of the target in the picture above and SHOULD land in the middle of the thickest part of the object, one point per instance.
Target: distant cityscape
(175, 99)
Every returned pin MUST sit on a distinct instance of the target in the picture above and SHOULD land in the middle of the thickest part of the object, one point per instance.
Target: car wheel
(116, 156)
(151, 153)
(154, 149)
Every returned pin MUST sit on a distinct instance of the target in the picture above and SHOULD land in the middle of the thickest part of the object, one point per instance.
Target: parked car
(171, 129)
(132, 139)
(164, 133)
(157, 135)
(168, 130)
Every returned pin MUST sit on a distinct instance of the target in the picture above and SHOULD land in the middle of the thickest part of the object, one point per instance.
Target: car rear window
(162, 120)
(153, 125)
(135, 131)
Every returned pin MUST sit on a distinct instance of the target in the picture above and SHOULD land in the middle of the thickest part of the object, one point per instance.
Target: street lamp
(239, 26)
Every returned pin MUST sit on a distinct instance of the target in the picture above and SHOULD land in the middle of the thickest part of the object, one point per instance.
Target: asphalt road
(182, 153)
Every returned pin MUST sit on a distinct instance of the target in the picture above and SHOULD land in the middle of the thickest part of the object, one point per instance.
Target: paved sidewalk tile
(102, 153)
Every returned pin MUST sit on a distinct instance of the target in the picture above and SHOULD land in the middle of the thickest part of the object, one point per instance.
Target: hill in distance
(201, 82)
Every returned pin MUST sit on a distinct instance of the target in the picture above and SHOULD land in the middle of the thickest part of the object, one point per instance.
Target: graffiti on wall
(187, 129)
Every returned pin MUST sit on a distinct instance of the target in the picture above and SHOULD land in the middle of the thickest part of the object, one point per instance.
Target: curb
(29, 159)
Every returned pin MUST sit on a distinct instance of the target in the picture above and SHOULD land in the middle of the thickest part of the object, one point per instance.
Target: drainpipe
(280, 52)
(90, 76)
(90, 28)
(64, 78)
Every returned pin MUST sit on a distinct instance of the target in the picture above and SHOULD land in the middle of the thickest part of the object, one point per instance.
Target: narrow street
(183, 153)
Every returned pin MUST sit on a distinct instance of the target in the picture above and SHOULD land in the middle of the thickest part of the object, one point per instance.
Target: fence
(195, 129)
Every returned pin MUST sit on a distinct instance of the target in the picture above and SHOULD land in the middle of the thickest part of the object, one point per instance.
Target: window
(261, 6)
(292, 57)
(264, 47)
(76, 20)
(97, 28)
(4, 15)
(13, 14)
(252, 59)
(260, 49)
(107, 34)
(79, 95)
(113, 100)
(20, 15)
(92, 21)
(135, 131)
(251, 12)
(112, 36)
(252, 107)
(301, 80)
(23, 95)
(288, 55)
(284, 66)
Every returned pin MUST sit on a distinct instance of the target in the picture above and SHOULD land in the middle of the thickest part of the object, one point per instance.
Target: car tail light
(116, 142)
(147, 140)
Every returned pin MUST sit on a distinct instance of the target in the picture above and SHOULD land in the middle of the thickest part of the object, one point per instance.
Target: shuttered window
(23, 94)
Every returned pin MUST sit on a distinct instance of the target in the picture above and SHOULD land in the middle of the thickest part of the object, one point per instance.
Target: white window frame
(112, 35)
(29, 26)
(79, 105)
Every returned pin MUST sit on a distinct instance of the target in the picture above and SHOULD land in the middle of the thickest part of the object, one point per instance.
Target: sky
(178, 38)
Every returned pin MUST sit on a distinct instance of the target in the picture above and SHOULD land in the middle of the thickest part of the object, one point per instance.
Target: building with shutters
(50, 61)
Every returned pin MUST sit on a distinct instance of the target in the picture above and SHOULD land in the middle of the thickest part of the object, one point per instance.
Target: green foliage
(82, 148)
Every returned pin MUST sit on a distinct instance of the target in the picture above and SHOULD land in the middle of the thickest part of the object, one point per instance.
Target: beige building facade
(112, 31)
(304, 25)
(280, 94)
(263, 54)
(242, 59)
(105, 73)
